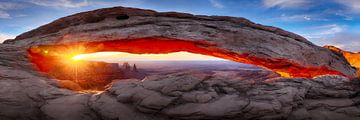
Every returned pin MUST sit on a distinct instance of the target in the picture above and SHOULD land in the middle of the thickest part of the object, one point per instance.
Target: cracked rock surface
(27, 95)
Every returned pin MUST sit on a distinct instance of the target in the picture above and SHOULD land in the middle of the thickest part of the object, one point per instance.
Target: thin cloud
(354, 5)
(344, 15)
(285, 3)
(4, 14)
(61, 3)
(118, 2)
(302, 17)
(344, 40)
(8, 5)
(4, 37)
(336, 35)
(216, 4)
(331, 29)
(324, 30)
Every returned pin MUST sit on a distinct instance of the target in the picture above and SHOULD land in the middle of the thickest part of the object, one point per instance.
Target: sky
(323, 22)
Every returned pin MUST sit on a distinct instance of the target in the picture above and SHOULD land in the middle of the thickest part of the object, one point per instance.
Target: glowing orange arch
(45, 56)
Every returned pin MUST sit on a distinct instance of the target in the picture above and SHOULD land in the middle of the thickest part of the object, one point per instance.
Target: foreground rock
(232, 38)
(27, 95)
(180, 96)
(325, 97)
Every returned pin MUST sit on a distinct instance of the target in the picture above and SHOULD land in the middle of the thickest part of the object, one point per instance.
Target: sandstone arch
(232, 38)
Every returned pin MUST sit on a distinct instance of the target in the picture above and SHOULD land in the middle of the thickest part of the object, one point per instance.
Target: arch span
(46, 56)
(237, 39)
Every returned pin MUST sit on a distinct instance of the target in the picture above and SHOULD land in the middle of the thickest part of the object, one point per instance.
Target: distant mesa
(126, 66)
(93, 75)
(132, 72)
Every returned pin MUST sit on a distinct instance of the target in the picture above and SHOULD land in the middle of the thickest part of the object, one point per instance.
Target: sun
(77, 58)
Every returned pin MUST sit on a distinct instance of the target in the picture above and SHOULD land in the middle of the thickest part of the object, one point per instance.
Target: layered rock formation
(146, 31)
(26, 94)
(351, 57)
(185, 96)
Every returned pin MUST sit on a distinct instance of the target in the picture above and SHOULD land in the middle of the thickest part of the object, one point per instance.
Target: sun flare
(123, 56)
(76, 57)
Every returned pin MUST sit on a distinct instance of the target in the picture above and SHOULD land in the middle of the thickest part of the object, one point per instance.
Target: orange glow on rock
(352, 58)
(47, 57)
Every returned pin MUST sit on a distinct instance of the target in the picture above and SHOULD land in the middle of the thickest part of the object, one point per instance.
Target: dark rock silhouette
(135, 68)
(126, 66)
(132, 72)
(93, 75)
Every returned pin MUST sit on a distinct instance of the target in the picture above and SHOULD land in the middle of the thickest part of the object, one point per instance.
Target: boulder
(74, 107)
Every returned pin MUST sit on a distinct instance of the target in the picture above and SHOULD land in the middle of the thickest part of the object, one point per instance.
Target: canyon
(315, 82)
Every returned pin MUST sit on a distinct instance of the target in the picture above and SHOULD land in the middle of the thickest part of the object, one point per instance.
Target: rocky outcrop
(132, 72)
(351, 57)
(188, 97)
(25, 96)
(136, 30)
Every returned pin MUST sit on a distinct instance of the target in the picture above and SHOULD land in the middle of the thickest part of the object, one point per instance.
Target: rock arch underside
(319, 87)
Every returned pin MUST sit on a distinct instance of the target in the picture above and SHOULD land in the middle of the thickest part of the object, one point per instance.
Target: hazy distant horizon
(113, 57)
(164, 61)
(209, 64)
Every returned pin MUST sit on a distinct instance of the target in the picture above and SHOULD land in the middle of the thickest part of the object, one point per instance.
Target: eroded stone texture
(351, 57)
(325, 97)
(265, 46)
(29, 96)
